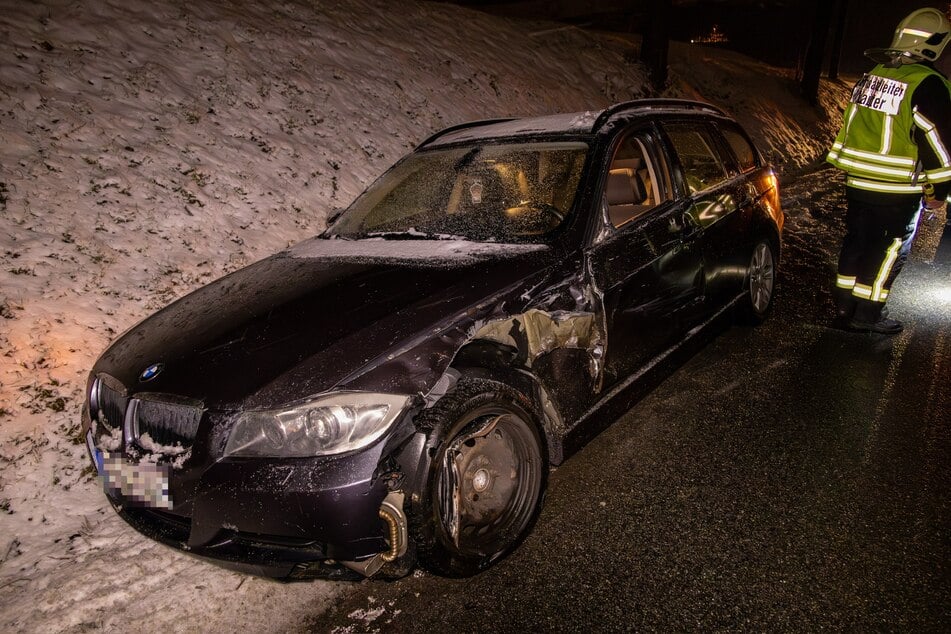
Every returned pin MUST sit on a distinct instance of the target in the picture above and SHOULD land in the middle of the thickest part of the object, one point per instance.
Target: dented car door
(646, 260)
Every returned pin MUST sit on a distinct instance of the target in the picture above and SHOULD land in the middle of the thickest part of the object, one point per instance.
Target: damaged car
(394, 391)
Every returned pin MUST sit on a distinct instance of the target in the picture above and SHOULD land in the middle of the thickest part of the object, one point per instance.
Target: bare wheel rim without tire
(762, 277)
(489, 483)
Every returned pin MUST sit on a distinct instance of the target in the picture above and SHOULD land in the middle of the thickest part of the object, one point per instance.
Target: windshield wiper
(409, 234)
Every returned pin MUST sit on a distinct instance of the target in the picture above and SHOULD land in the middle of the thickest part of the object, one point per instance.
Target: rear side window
(745, 155)
(702, 166)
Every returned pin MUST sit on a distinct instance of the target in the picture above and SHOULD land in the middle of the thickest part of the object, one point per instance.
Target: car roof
(566, 124)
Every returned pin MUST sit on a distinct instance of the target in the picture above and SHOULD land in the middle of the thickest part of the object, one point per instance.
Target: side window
(745, 155)
(637, 181)
(699, 160)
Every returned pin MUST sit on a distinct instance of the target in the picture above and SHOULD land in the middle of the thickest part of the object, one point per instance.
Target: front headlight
(329, 425)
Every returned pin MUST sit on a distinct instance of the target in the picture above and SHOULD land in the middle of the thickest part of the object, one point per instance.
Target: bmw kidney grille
(147, 421)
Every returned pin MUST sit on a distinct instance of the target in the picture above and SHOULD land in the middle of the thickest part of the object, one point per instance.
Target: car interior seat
(643, 174)
(627, 195)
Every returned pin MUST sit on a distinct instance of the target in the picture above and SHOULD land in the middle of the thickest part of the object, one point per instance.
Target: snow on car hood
(417, 251)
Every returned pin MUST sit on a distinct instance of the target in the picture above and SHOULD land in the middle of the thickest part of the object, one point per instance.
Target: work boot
(844, 307)
(883, 326)
(873, 317)
(845, 302)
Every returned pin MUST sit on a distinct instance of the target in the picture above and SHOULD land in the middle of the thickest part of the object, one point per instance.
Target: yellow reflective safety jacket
(876, 145)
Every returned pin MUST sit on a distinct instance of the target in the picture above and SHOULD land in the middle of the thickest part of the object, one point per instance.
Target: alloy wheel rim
(761, 278)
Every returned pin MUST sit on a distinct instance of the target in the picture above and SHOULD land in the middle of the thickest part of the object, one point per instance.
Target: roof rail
(655, 103)
(462, 126)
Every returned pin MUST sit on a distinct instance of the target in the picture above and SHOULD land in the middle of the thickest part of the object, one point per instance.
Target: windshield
(517, 192)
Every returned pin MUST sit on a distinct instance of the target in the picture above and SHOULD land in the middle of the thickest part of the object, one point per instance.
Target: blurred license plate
(143, 484)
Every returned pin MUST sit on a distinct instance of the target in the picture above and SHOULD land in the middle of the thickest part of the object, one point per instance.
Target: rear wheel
(486, 479)
(760, 284)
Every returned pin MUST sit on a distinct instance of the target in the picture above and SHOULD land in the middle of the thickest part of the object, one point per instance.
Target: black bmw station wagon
(394, 390)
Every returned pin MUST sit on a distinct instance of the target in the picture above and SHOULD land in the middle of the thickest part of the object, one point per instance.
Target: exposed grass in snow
(150, 147)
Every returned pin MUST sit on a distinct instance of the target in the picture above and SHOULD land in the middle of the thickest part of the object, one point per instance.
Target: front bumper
(282, 518)
(250, 553)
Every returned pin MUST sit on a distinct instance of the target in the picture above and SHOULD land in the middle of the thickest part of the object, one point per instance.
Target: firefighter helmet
(921, 36)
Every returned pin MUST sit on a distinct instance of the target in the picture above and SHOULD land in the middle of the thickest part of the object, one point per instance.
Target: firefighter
(895, 147)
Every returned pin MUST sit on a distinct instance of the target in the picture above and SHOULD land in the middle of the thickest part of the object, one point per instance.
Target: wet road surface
(788, 477)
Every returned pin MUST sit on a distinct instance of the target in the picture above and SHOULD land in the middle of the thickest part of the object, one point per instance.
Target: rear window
(702, 166)
(745, 155)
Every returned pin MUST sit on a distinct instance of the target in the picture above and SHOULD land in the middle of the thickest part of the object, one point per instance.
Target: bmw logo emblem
(151, 372)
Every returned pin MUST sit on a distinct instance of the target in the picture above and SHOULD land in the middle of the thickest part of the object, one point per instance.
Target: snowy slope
(149, 147)
(789, 132)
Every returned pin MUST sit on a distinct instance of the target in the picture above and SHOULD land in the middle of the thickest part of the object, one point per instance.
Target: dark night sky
(777, 31)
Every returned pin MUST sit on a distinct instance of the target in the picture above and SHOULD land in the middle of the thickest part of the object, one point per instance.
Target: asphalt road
(789, 477)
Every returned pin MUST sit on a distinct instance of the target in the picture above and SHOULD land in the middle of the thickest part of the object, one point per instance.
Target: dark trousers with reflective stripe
(876, 244)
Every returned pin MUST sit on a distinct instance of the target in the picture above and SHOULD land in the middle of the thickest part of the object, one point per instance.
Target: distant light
(715, 36)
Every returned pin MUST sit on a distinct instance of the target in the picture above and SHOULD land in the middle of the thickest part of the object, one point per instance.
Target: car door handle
(685, 226)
